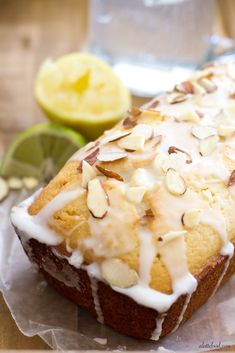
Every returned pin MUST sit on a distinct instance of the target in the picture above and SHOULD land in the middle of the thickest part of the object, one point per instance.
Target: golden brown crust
(115, 306)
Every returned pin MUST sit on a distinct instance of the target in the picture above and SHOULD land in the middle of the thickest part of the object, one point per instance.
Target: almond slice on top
(97, 199)
(173, 149)
(191, 218)
(109, 173)
(88, 173)
(118, 273)
(116, 136)
(171, 236)
(208, 145)
(185, 87)
(176, 97)
(91, 158)
(136, 193)
(189, 116)
(201, 132)
(143, 130)
(111, 156)
(132, 143)
(207, 84)
(175, 183)
(226, 130)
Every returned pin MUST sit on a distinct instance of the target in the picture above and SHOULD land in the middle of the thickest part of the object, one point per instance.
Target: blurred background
(33, 30)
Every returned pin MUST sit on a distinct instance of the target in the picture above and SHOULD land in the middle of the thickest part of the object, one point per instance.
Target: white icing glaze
(147, 255)
(94, 273)
(158, 330)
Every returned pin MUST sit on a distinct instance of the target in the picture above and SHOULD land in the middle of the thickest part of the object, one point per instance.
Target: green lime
(40, 151)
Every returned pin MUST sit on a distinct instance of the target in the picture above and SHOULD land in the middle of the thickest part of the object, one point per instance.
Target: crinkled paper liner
(40, 310)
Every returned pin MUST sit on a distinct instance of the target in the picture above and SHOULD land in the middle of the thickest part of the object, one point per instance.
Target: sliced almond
(4, 189)
(191, 218)
(159, 163)
(132, 143)
(226, 130)
(198, 89)
(136, 193)
(231, 180)
(207, 84)
(175, 183)
(90, 158)
(129, 122)
(171, 236)
(143, 130)
(152, 114)
(154, 103)
(111, 156)
(116, 136)
(15, 183)
(201, 132)
(30, 183)
(118, 273)
(174, 98)
(185, 87)
(189, 116)
(109, 173)
(135, 111)
(208, 145)
(231, 71)
(173, 149)
(88, 173)
(97, 199)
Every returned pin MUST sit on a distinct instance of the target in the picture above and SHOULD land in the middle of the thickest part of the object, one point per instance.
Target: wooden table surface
(30, 31)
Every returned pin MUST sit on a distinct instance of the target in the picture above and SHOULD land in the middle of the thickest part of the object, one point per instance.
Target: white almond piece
(174, 161)
(208, 145)
(136, 193)
(226, 130)
(171, 236)
(88, 173)
(191, 218)
(175, 182)
(116, 136)
(118, 273)
(30, 183)
(198, 89)
(15, 183)
(158, 163)
(111, 156)
(201, 132)
(97, 199)
(189, 116)
(176, 97)
(132, 143)
(231, 71)
(208, 85)
(4, 189)
(143, 130)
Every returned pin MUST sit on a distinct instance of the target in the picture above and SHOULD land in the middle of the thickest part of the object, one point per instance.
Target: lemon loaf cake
(139, 226)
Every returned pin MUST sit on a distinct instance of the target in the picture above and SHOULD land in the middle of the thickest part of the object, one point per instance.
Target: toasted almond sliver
(129, 122)
(159, 163)
(135, 111)
(4, 189)
(111, 156)
(175, 97)
(208, 145)
(97, 199)
(185, 87)
(153, 104)
(132, 143)
(191, 218)
(175, 182)
(231, 180)
(91, 158)
(116, 136)
(30, 183)
(109, 173)
(198, 89)
(208, 85)
(88, 173)
(171, 236)
(15, 183)
(143, 130)
(226, 130)
(173, 149)
(118, 273)
(188, 116)
(201, 132)
(136, 193)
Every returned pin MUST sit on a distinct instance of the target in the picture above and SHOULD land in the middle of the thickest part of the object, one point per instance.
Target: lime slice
(81, 91)
(40, 151)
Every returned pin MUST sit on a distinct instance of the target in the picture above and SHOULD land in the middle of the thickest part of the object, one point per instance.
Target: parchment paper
(40, 310)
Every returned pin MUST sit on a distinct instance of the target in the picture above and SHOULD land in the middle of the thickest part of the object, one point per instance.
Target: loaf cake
(138, 227)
